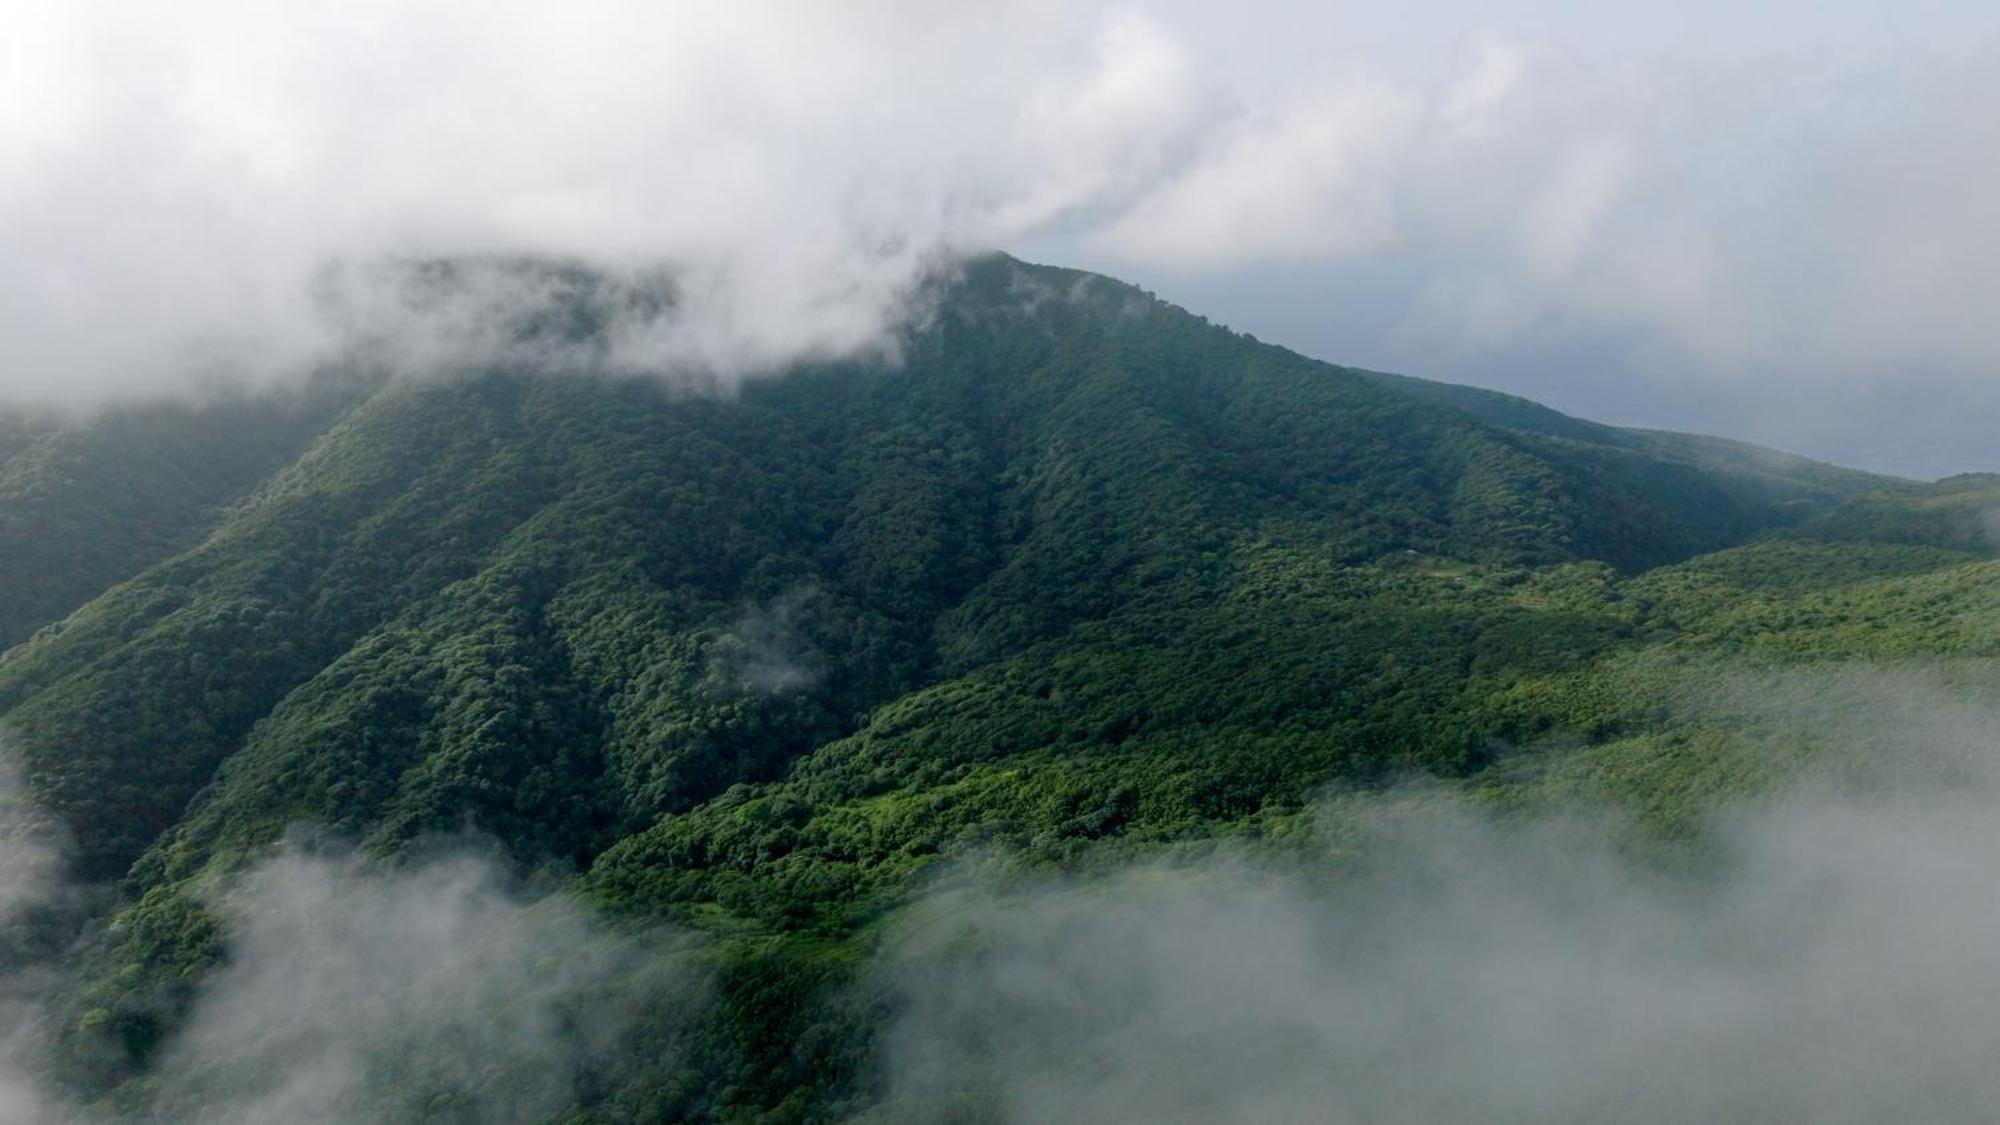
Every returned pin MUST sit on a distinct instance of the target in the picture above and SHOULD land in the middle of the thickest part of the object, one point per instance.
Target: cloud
(33, 894)
(177, 186)
(1777, 215)
(1312, 178)
(1497, 66)
(1110, 132)
(765, 651)
(1752, 217)
(173, 182)
(358, 995)
(1825, 965)
(31, 848)
(354, 992)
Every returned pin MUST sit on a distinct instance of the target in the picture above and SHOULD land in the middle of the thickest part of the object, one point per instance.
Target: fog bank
(1834, 959)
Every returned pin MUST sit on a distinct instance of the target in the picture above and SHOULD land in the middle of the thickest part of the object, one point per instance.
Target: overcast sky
(1778, 221)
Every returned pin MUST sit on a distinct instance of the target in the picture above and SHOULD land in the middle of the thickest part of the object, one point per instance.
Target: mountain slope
(1750, 470)
(1055, 448)
(1082, 570)
(86, 505)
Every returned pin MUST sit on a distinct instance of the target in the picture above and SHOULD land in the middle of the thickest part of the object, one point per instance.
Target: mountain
(1078, 573)
(89, 505)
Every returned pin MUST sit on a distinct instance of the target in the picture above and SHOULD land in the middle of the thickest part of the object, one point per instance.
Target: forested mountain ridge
(1080, 570)
(1054, 447)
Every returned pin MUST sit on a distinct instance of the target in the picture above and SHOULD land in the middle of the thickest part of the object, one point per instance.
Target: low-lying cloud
(33, 894)
(433, 993)
(177, 186)
(765, 650)
(1832, 961)
(1827, 957)
(436, 990)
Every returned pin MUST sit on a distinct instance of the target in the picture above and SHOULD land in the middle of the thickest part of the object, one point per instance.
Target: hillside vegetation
(1080, 576)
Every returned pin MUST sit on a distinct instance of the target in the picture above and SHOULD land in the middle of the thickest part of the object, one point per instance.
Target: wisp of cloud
(352, 992)
(31, 888)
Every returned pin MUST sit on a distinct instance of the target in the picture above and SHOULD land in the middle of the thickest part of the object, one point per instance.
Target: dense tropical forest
(745, 681)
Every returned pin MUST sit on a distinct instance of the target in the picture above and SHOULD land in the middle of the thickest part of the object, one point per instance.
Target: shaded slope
(88, 504)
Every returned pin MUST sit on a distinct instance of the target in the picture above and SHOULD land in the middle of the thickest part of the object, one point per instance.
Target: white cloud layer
(173, 178)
